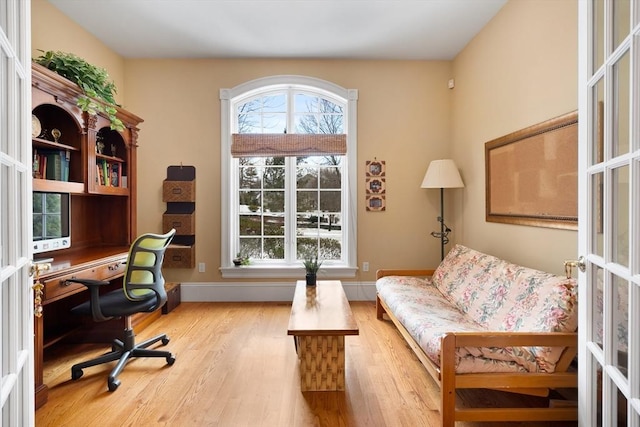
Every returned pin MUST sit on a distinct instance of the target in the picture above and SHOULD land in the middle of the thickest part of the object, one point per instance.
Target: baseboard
(233, 292)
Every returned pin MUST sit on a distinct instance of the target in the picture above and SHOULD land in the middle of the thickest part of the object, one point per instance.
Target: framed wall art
(532, 175)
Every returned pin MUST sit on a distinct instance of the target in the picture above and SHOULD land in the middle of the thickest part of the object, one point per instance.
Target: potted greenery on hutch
(93, 81)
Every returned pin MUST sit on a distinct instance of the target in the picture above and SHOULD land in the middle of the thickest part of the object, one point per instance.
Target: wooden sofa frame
(536, 384)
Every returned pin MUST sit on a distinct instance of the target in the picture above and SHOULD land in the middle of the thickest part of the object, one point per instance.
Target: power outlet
(365, 266)
(201, 267)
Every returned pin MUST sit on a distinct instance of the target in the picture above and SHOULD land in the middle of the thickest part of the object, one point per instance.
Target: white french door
(16, 299)
(609, 226)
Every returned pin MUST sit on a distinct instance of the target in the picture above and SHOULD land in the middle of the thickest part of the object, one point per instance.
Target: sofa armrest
(392, 272)
(566, 340)
(513, 339)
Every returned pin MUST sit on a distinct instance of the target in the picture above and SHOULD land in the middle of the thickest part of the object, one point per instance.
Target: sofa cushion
(427, 315)
(501, 296)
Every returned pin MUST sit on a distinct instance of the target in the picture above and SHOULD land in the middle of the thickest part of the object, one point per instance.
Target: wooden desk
(320, 319)
(56, 323)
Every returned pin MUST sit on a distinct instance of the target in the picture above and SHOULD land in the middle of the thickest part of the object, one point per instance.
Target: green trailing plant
(312, 265)
(93, 81)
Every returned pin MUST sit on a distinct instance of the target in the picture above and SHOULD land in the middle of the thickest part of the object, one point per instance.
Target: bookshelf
(78, 153)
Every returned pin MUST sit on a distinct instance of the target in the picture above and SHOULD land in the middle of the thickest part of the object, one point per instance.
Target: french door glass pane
(621, 22)
(621, 324)
(4, 211)
(595, 399)
(620, 224)
(598, 34)
(4, 101)
(597, 209)
(597, 149)
(597, 301)
(619, 408)
(621, 103)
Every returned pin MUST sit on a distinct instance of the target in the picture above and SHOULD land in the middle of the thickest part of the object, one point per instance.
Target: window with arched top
(288, 182)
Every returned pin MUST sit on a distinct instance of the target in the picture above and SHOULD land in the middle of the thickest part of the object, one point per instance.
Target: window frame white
(228, 170)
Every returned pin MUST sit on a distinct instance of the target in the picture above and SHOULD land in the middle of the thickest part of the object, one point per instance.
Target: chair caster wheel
(76, 373)
(165, 341)
(113, 385)
(171, 360)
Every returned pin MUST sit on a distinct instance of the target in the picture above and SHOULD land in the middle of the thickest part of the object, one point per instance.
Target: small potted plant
(311, 266)
(240, 260)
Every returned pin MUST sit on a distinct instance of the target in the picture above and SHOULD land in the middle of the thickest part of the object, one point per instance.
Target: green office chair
(142, 291)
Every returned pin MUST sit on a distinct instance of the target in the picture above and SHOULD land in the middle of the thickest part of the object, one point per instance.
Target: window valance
(287, 144)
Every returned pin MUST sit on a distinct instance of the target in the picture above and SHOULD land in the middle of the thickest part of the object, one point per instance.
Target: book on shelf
(54, 167)
(99, 174)
(51, 164)
(109, 174)
(105, 173)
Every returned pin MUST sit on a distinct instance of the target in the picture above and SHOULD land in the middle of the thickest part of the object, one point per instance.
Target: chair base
(123, 351)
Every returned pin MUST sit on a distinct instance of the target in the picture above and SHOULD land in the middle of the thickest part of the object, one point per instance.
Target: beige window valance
(287, 144)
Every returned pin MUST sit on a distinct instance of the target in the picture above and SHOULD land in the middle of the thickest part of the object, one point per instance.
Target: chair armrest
(94, 299)
(392, 272)
(89, 282)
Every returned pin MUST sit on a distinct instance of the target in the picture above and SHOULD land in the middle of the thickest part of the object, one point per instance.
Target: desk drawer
(57, 287)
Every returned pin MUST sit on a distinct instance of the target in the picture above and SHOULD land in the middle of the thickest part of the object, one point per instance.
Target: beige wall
(403, 118)
(521, 69)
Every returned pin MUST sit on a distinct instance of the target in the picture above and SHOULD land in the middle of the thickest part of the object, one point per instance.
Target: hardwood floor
(236, 366)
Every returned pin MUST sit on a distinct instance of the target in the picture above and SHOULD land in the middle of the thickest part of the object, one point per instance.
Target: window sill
(280, 272)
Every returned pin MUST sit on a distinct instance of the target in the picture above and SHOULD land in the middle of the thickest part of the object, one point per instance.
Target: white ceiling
(359, 29)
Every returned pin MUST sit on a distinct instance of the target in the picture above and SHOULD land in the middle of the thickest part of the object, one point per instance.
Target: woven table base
(321, 363)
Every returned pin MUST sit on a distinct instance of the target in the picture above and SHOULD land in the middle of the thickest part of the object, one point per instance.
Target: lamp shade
(442, 174)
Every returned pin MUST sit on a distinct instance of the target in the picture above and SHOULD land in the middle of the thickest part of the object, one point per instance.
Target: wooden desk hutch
(103, 211)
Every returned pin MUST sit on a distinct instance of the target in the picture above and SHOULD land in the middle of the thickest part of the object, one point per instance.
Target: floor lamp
(442, 174)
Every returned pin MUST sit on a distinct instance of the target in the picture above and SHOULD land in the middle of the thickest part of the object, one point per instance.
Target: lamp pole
(441, 224)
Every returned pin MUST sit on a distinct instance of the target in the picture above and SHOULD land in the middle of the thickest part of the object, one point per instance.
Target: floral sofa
(481, 322)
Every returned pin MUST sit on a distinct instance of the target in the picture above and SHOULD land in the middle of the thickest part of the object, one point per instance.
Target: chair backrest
(143, 274)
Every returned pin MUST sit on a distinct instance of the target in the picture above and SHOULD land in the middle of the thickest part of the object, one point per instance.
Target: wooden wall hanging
(375, 185)
(179, 193)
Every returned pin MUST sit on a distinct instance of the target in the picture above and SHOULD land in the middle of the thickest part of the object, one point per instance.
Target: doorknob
(571, 264)
(36, 269)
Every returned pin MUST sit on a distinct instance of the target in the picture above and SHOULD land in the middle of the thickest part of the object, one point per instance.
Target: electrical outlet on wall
(365, 266)
(201, 267)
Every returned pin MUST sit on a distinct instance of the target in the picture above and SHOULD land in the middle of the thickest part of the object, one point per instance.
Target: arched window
(288, 180)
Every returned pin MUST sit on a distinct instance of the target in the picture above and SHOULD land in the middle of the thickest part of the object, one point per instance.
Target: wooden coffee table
(320, 319)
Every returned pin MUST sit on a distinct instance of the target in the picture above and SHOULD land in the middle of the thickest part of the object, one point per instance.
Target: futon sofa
(477, 321)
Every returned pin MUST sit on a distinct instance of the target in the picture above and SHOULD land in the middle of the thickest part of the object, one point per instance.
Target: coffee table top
(321, 310)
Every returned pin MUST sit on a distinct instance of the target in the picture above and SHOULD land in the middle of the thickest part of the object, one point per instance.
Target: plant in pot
(311, 266)
(94, 82)
(240, 260)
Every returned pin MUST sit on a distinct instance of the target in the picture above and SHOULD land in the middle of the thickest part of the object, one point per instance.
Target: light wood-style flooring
(236, 366)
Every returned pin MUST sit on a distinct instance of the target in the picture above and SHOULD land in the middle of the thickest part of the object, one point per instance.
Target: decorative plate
(36, 128)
